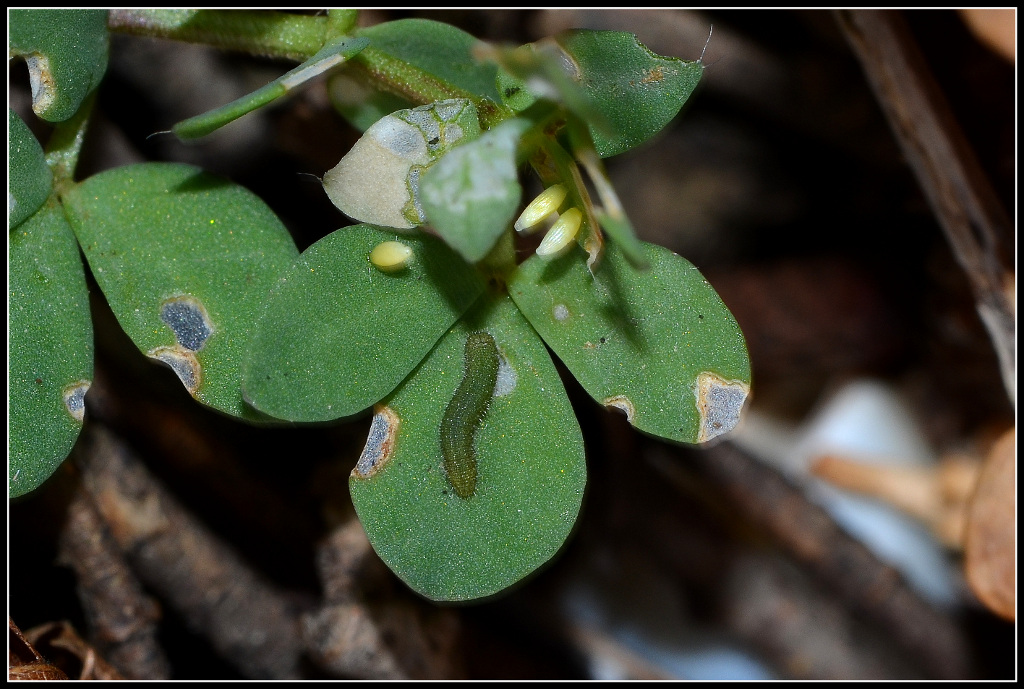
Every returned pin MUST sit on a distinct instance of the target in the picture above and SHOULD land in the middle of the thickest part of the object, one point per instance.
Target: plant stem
(65, 145)
(412, 83)
(271, 34)
(567, 172)
(297, 37)
(341, 22)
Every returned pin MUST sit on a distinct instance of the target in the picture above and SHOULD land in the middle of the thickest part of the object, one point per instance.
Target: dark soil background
(784, 184)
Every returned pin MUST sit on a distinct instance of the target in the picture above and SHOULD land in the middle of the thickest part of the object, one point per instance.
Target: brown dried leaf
(991, 539)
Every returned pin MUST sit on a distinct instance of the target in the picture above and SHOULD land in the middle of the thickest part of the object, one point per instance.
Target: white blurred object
(863, 420)
(623, 644)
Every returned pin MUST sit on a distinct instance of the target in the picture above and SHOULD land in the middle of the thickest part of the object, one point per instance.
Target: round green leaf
(185, 260)
(471, 194)
(50, 356)
(66, 52)
(339, 333)
(528, 451)
(658, 344)
(29, 178)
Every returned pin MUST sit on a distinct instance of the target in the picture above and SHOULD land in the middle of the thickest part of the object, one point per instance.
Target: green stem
(556, 165)
(414, 84)
(271, 34)
(65, 145)
(297, 37)
(341, 22)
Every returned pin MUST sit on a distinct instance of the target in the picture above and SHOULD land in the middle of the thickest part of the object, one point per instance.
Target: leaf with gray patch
(340, 334)
(51, 352)
(658, 344)
(471, 194)
(66, 52)
(185, 260)
(529, 456)
(378, 180)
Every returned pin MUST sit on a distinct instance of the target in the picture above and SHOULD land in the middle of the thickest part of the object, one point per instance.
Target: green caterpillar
(464, 413)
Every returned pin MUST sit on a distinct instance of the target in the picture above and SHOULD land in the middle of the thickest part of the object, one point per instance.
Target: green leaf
(471, 194)
(29, 177)
(544, 70)
(440, 50)
(529, 457)
(658, 344)
(637, 91)
(185, 260)
(50, 356)
(340, 334)
(620, 229)
(334, 53)
(625, 93)
(437, 48)
(66, 52)
(378, 180)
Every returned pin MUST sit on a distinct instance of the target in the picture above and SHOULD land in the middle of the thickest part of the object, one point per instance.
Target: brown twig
(24, 661)
(367, 628)
(70, 652)
(121, 618)
(246, 619)
(868, 586)
(802, 629)
(958, 191)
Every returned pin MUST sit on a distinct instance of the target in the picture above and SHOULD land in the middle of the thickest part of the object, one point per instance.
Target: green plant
(473, 472)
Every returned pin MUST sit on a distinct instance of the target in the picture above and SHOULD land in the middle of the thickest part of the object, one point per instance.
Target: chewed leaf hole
(622, 403)
(719, 402)
(44, 88)
(380, 443)
(183, 362)
(74, 399)
(187, 317)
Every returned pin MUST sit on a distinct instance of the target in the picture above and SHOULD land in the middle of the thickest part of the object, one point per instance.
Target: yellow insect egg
(541, 207)
(561, 233)
(390, 256)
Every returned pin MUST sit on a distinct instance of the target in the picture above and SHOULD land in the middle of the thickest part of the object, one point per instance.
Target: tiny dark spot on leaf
(511, 91)
(39, 381)
(603, 340)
